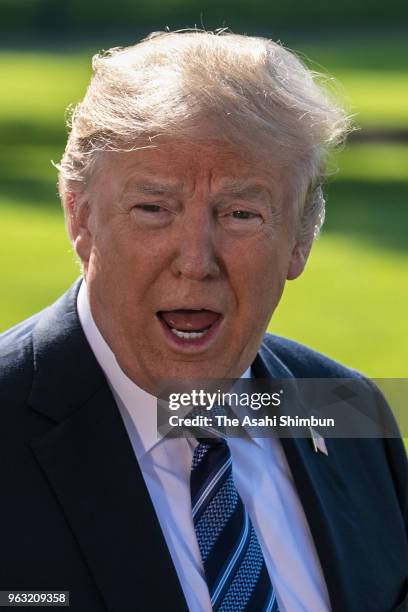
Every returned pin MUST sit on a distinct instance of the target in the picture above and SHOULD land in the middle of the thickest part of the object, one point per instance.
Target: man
(191, 185)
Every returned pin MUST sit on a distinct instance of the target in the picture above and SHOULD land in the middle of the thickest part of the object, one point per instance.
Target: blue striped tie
(234, 566)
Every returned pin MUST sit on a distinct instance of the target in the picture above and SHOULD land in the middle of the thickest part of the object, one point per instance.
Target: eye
(151, 215)
(150, 208)
(243, 215)
(241, 221)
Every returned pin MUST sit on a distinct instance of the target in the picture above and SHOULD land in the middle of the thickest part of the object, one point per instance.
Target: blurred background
(351, 303)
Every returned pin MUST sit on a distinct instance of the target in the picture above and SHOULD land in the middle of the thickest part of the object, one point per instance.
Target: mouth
(190, 328)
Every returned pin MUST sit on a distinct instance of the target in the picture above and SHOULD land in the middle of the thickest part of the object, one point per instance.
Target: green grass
(374, 52)
(382, 163)
(40, 264)
(350, 304)
(351, 300)
(376, 99)
(41, 85)
(371, 73)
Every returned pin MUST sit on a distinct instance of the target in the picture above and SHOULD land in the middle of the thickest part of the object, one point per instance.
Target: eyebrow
(245, 192)
(151, 188)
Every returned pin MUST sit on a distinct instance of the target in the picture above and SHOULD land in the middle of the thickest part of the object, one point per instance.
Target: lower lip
(192, 344)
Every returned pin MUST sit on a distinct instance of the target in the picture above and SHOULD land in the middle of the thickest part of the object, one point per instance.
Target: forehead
(185, 166)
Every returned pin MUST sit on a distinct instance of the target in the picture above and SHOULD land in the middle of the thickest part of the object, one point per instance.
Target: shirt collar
(140, 405)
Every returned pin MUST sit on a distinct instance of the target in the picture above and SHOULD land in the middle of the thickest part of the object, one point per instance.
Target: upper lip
(190, 307)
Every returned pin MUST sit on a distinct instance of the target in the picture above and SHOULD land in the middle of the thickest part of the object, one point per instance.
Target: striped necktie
(233, 562)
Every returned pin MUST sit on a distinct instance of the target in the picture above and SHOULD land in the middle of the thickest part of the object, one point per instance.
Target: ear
(77, 221)
(298, 261)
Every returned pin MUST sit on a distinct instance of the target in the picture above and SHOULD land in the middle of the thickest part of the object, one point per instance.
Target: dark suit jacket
(75, 513)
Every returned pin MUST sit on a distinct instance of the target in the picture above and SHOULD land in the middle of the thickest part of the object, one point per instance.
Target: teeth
(188, 335)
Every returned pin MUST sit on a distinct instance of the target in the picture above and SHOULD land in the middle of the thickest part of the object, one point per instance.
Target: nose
(196, 257)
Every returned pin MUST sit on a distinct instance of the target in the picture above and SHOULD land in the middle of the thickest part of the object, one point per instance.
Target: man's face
(186, 249)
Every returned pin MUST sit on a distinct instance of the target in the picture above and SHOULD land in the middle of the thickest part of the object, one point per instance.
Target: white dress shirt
(262, 477)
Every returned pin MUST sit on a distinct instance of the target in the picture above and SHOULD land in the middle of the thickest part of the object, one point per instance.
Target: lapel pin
(319, 444)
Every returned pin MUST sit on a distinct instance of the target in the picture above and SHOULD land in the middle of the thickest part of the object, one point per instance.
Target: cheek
(259, 275)
(115, 248)
(129, 264)
(259, 263)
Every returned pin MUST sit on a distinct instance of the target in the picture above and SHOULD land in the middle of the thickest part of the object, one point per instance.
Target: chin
(194, 370)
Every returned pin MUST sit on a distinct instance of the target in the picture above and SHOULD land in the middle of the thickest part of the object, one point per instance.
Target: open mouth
(188, 324)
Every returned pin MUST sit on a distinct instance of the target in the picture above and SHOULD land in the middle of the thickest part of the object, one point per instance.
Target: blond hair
(200, 85)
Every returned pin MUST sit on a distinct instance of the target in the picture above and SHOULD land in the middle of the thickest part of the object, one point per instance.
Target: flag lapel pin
(319, 444)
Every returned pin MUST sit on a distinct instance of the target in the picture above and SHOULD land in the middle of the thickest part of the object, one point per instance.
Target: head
(191, 184)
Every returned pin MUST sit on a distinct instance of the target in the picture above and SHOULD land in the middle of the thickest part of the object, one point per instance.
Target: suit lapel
(89, 463)
(324, 495)
(326, 502)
